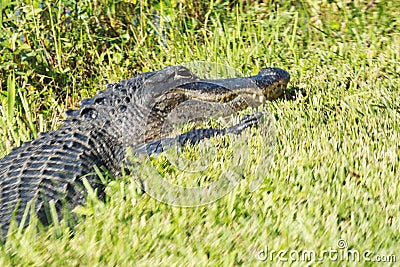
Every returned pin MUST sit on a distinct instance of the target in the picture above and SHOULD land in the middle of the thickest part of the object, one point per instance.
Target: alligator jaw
(179, 97)
(268, 84)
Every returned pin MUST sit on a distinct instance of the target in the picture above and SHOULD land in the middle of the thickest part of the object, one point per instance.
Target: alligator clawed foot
(247, 121)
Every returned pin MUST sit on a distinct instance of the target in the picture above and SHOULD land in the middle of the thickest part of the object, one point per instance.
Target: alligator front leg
(195, 136)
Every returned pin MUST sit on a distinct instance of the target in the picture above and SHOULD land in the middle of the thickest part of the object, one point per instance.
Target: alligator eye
(89, 113)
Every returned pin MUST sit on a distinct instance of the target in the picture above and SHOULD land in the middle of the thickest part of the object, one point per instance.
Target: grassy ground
(335, 176)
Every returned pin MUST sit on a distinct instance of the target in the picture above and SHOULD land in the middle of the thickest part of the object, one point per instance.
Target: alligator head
(175, 95)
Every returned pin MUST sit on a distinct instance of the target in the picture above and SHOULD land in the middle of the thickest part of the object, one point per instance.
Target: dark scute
(117, 101)
(121, 108)
(100, 100)
(89, 113)
(119, 86)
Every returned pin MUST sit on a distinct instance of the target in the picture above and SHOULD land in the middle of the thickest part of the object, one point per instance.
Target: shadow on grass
(294, 93)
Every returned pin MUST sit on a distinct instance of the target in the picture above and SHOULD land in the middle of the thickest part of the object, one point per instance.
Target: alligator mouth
(176, 97)
(191, 99)
(268, 84)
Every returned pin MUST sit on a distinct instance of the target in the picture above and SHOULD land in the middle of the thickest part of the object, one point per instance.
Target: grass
(335, 174)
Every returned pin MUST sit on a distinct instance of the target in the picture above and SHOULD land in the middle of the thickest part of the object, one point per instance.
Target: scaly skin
(130, 114)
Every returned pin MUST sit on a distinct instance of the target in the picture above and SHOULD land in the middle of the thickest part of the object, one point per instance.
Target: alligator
(134, 115)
